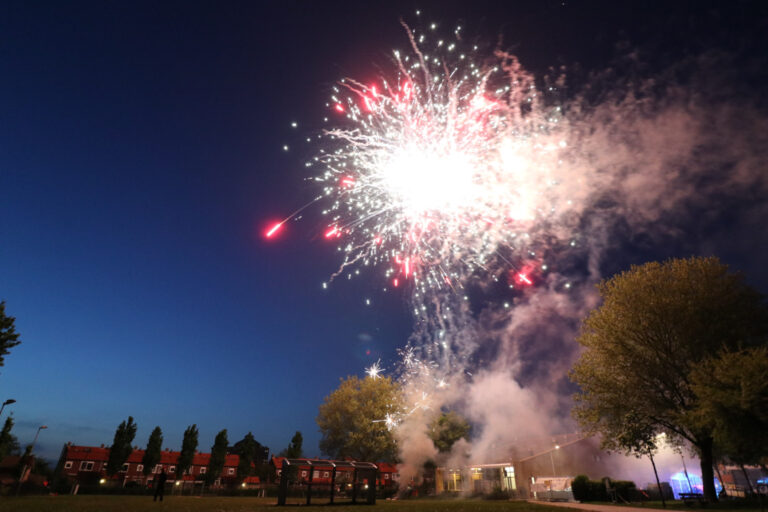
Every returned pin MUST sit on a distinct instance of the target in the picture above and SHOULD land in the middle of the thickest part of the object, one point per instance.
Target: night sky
(141, 160)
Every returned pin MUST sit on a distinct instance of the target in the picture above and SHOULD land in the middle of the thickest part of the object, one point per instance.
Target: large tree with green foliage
(154, 450)
(732, 391)
(218, 457)
(448, 428)
(352, 419)
(658, 321)
(9, 338)
(121, 446)
(9, 445)
(188, 449)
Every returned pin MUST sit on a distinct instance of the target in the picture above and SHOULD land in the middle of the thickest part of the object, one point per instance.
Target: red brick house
(88, 464)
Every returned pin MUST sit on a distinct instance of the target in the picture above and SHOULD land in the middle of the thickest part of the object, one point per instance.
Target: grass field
(92, 503)
(192, 504)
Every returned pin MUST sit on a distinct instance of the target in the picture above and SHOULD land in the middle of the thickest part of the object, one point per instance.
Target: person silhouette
(160, 485)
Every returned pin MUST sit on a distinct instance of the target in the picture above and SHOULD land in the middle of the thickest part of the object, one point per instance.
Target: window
(68, 464)
(386, 476)
(125, 467)
(303, 474)
(140, 468)
(86, 465)
(315, 474)
(231, 471)
(203, 470)
(172, 469)
(326, 474)
(158, 468)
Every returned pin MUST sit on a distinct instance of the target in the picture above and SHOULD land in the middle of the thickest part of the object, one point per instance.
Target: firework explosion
(449, 168)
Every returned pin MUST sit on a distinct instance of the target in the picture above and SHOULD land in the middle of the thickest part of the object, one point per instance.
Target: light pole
(552, 459)
(7, 402)
(24, 468)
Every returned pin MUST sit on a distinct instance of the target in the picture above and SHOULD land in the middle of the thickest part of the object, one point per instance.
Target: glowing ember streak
(523, 278)
(331, 232)
(274, 229)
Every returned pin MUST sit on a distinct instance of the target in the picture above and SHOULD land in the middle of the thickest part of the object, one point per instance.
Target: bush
(580, 487)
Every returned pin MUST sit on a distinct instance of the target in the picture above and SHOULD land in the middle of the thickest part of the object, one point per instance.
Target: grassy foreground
(214, 504)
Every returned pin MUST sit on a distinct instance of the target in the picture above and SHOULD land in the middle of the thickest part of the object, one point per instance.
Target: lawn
(214, 504)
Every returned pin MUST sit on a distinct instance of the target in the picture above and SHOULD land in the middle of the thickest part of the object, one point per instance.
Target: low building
(87, 465)
(322, 469)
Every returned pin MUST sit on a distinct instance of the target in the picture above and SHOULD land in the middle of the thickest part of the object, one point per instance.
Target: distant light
(102, 481)
(557, 447)
(178, 483)
(243, 484)
(294, 124)
(285, 147)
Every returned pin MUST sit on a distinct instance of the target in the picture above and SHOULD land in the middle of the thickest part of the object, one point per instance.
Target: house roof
(95, 453)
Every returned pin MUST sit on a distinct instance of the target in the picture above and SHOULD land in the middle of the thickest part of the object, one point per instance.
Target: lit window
(172, 469)
(386, 476)
(231, 471)
(303, 474)
(140, 467)
(68, 464)
(315, 474)
(326, 474)
(86, 466)
(203, 470)
(125, 467)
(158, 468)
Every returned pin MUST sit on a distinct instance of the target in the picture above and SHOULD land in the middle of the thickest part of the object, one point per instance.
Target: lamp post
(7, 402)
(24, 468)
(552, 459)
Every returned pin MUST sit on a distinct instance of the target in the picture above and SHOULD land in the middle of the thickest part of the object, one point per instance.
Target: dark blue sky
(140, 160)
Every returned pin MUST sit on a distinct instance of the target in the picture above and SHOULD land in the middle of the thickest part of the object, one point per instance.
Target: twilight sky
(141, 159)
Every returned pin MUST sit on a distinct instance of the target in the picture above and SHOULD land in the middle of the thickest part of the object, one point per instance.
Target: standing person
(160, 485)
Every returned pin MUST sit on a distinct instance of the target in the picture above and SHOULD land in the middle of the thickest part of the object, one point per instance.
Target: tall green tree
(295, 449)
(121, 446)
(353, 419)
(658, 321)
(9, 445)
(218, 457)
(448, 428)
(9, 338)
(247, 452)
(732, 389)
(188, 449)
(153, 452)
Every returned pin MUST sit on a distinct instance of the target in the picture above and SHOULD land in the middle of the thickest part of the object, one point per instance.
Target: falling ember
(523, 279)
(274, 229)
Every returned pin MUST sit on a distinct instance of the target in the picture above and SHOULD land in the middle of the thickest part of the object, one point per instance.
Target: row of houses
(88, 465)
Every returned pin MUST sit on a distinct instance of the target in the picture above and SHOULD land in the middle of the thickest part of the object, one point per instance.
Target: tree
(154, 450)
(353, 420)
(9, 445)
(448, 428)
(732, 389)
(9, 338)
(121, 446)
(218, 457)
(294, 450)
(658, 321)
(188, 449)
(247, 452)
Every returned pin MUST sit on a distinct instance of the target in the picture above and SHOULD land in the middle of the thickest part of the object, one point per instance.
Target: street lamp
(552, 459)
(31, 447)
(7, 402)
